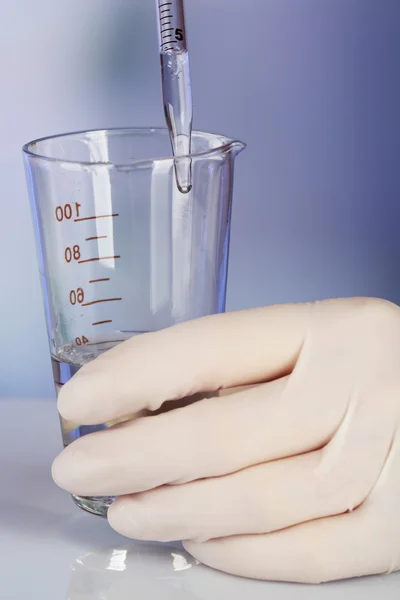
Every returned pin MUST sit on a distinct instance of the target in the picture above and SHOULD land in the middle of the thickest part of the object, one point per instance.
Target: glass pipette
(176, 86)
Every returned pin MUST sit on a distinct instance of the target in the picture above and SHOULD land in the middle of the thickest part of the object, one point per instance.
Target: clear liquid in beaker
(66, 364)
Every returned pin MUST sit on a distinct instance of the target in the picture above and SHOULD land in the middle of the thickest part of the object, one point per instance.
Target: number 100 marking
(67, 212)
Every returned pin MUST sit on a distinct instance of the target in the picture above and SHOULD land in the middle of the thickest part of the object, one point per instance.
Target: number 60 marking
(76, 297)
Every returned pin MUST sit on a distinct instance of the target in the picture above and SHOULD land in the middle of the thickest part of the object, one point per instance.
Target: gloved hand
(294, 478)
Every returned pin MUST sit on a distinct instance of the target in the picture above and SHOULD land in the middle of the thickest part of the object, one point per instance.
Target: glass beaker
(121, 251)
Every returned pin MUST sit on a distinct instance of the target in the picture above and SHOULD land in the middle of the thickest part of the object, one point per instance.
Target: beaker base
(96, 505)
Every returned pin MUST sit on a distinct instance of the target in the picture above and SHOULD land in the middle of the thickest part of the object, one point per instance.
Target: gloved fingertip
(74, 401)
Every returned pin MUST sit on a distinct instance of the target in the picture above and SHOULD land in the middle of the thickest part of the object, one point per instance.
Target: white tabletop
(50, 550)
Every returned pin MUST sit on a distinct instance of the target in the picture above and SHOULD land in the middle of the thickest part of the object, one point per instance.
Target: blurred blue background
(313, 86)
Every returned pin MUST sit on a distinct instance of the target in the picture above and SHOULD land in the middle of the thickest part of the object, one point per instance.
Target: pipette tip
(184, 189)
(183, 170)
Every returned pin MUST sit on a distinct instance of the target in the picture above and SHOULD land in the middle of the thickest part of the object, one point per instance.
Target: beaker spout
(235, 147)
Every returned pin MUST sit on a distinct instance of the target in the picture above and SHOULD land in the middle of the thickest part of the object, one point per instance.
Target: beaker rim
(227, 145)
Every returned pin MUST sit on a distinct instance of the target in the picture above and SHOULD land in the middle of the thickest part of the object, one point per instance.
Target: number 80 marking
(74, 253)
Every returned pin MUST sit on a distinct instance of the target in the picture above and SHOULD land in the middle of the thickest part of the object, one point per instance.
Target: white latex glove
(296, 478)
